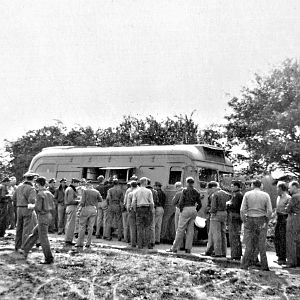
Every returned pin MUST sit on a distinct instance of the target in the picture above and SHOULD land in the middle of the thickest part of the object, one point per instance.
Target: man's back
(256, 203)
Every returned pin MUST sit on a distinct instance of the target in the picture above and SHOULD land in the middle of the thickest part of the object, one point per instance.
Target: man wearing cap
(24, 197)
(71, 201)
(102, 208)
(87, 213)
(4, 198)
(115, 202)
(159, 210)
(189, 205)
(42, 207)
(59, 197)
(218, 217)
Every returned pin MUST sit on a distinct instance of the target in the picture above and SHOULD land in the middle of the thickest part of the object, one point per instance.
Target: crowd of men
(36, 207)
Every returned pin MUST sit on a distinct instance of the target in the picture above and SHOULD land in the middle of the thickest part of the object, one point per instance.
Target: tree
(130, 132)
(265, 119)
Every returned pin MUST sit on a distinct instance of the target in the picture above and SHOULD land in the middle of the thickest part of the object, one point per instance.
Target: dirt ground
(105, 272)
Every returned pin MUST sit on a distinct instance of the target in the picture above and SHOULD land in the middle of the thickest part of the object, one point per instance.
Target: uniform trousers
(71, 211)
(101, 217)
(24, 226)
(293, 239)
(217, 234)
(61, 217)
(114, 212)
(40, 232)
(159, 213)
(87, 219)
(185, 227)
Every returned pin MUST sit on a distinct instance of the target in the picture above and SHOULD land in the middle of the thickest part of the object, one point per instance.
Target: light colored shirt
(130, 198)
(142, 197)
(282, 202)
(256, 203)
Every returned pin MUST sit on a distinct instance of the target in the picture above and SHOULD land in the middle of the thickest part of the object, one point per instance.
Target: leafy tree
(130, 132)
(265, 119)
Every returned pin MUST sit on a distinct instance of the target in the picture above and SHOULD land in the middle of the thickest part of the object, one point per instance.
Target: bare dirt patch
(104, 273)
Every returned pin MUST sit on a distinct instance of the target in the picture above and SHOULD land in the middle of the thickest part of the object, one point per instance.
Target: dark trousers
(3, 216)
(143, 222)
(293, 239)
(234, 228)
(11, 220)
(114, 212)
(280, 236)
(255, 234)
(132, 228)
(40, 232)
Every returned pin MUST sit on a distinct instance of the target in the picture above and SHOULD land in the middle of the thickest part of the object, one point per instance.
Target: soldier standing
(59, 197)
(102, 208)
(115, 200)
(71, 203)
(24, 197)
(40, 231)
(189, 205)
(87, 213)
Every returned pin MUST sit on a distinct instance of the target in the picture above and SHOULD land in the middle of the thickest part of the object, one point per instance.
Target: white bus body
(166, 164)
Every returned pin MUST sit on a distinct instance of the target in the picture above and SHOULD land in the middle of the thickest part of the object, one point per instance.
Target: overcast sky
(91, 62)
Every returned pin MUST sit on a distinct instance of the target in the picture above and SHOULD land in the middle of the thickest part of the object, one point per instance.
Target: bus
(166, 164)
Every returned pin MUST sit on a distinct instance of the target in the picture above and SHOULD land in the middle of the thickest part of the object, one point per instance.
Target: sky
(92, 62)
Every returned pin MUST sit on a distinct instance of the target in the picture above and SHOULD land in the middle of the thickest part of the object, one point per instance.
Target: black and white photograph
(150, 149)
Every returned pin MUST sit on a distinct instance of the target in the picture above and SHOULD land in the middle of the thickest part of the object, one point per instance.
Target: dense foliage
(265, 119)
(130, 132)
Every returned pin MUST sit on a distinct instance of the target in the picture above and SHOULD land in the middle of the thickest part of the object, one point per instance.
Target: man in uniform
(59, 197)
(102, 208)
(189, 205)
(159, 210)
(234, 221)
(218, 217)
(115, 202)
(4, 199)
(42, 207)
(71, 203)
(175, 202)
(51, 189)
(293, 226)
(24, 197)
(87, 213)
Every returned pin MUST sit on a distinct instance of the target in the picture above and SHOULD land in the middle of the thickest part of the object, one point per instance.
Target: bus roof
(195, 152)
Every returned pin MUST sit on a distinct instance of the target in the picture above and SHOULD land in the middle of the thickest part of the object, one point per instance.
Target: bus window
(122, 173)
(175, 175)
(207, 175)
(47, 170)
(92, 173)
